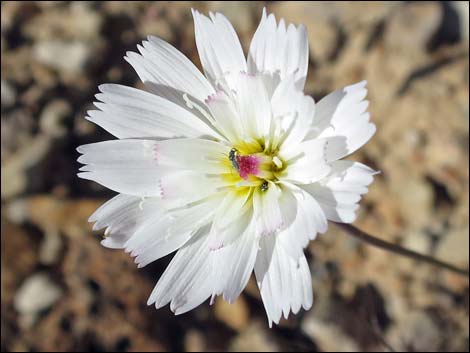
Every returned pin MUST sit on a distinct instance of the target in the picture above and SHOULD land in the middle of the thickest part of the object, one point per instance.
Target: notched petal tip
(369, 170)
(179, 311)
(104, 87)
(89, 118)
(264, 12)
(271, 321)
(85, 175)
(150, 300)
(80, 149)
(374, 128)
(376, 172)
(302, 29)
(131, 55)
(216, 96)
(85, 168)
(152, 38)
(195, 14)
(105, 243)
(93, 218)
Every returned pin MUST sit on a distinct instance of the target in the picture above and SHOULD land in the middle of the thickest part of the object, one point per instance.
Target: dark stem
(374, 326)
(397, 249)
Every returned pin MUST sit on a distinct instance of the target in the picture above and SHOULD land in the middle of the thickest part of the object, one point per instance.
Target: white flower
(235, 170)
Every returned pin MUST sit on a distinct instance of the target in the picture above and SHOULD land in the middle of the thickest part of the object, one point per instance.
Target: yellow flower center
(251, 164)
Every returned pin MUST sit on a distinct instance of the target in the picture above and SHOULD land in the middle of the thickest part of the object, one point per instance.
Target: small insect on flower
(264, 186)
(237, 174)
(232, 156)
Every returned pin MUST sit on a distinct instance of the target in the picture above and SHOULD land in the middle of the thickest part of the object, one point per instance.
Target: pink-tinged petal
(167, 169)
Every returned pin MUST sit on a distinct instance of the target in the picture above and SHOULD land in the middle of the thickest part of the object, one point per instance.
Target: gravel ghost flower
(236, 170)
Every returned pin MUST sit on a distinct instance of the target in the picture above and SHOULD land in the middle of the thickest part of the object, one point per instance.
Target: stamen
(277, 162)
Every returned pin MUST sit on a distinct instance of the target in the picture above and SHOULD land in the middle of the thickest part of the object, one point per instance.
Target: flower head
(236, 170)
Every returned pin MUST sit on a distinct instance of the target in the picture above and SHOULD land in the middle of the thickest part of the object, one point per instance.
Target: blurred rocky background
(61, 291)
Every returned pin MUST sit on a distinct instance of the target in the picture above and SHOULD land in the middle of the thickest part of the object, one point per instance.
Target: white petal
(122, 216)
(131, 113)
(344, 113)
(186, 282)
(254, 107)
(288, 205)
(185, 101)
(309, 219)
(184, 154)
(126, 166)
(313, 215)
(285, 283)
(232, 216)
(293, 112)
(158, 239)
(234, 263)
(294, 235)
(277, 49)
(161, 63)
(339, 193)
(225, 115)
(267, 211)
(306, 162)
(196, 272)
(154, 232)
(218, 45)
(163, 169)
(191, 154)
(271, 82)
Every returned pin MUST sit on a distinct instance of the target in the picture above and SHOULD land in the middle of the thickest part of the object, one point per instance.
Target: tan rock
(235, 315)
(255, 338)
